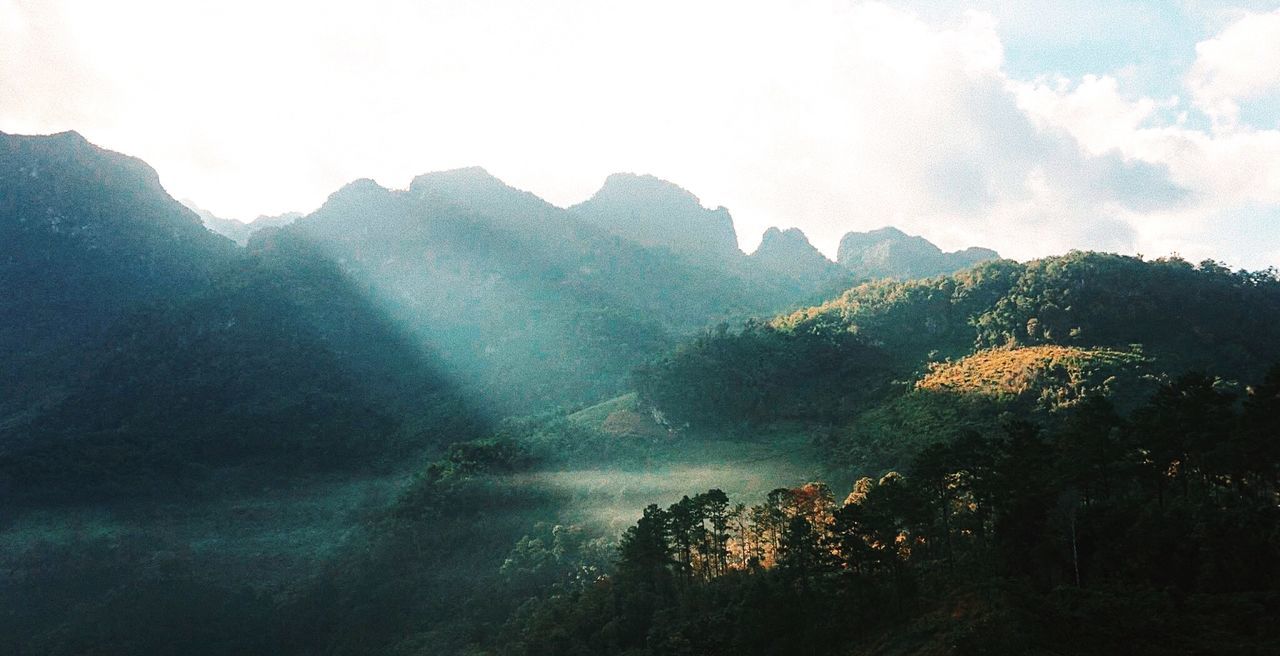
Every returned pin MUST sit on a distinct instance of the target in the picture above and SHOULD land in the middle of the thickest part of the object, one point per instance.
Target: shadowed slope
(85, 234)
(145, 349)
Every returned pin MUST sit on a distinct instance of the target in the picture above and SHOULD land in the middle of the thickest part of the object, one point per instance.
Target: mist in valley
(648, 329)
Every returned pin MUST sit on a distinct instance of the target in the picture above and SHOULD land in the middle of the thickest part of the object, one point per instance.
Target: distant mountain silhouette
(532, 304)
(476, 190)
(788, 252)
(238, 231)
(891, 253)
(653, 212)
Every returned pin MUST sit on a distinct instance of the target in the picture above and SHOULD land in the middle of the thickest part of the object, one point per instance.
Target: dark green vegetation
(1152, 534)
(86, 235)
(142, 351)
(426, 422)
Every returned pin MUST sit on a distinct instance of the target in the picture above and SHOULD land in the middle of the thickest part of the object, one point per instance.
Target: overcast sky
(1032, 127)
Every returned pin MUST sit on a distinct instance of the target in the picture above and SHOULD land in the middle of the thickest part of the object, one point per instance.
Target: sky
(1031, 127)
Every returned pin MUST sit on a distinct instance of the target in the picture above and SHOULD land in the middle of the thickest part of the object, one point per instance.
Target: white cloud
(1231, 170)
(1239, 63)
(825, 115)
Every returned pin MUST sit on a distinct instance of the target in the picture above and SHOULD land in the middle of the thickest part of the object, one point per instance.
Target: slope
(85, 234)
(141, 350)
(532, 306)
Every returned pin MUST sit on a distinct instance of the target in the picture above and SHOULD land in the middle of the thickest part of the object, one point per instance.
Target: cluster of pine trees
(1097, 518)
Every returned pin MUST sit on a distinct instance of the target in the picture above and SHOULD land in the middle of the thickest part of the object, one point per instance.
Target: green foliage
(558, 555)
(887, 435)
(1050, 521)
(283, 364)
(1038, 510)
(913, 318)
(1201, 316)
(761, 374)
(1184, 316)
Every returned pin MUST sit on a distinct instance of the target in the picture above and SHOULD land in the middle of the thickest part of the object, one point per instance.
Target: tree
(644, 553)
(685, 523)
(1185, 422)
(1258, 450)
(803, 553)
(932, 470)
(1088, 450)
(1022, 495)
(875, 528)
(713, 506)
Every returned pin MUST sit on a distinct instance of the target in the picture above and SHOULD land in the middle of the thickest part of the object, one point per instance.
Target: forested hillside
(530, 306)
(1199, 316)
(1169, 313)
(143, 351)
(85, 234)
(282, 364)
(1074, 455)
(1148, 534)
(457, 419)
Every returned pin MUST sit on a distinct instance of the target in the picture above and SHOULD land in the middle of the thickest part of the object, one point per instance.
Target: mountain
(1170, 315)
(264, 221)
(653, 212)
(1036, 445)
(477, 191)
(378, 429)
(530, 304)
(238, 231)
(891, 253)
(140, 349)
(789, 253)
(134, 319)
(85, 235)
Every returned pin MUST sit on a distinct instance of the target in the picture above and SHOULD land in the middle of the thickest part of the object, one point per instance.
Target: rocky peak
(654, 212)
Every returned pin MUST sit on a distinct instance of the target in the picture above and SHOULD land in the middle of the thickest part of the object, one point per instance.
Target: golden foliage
(1057, 375)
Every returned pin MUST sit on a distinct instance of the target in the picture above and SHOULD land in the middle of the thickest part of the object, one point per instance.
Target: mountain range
(132, 321)
(456, 418)
(654, 213)
(239, 231)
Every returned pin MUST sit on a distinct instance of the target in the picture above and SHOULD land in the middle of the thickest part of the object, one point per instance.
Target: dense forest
(1153, 533)
(457, 419)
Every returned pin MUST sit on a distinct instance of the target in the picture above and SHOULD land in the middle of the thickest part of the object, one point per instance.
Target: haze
(1027, 127)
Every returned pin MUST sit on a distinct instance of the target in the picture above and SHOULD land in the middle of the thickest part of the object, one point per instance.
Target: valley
(456, 418)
